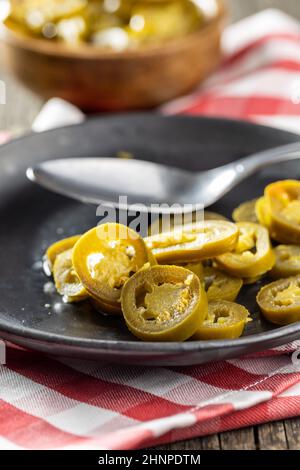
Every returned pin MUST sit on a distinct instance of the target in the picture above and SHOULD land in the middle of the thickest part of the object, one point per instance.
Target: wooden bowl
(95, 79)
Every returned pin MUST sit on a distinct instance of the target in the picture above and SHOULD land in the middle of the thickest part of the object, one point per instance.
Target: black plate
(32, 218)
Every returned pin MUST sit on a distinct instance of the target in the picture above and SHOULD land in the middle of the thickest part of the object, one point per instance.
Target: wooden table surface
(21, 108)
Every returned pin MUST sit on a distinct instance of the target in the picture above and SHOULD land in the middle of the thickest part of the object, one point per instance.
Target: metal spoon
(104, 180)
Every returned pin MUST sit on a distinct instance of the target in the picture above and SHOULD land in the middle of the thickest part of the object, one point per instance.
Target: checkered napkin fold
(71, 404)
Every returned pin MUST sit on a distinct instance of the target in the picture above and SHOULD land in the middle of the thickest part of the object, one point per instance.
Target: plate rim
(133, 115)
(148, 346)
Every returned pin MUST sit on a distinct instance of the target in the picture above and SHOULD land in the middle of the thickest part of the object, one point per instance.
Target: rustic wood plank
(201, 443)
(271, 436)
(292, 430)
(242, 439)
(209, 442)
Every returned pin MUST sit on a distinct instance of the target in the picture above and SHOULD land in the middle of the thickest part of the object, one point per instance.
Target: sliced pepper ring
(104, 259)
(280, 301)
(167, 223)
(287, 261)
(262, 213)
(220, 285)
(55, 249)
(196, 268)
(281, 211)
(67, 282)
(194, 242)
(245, 212)
(253, 254)
(225, 320)
(163, 303)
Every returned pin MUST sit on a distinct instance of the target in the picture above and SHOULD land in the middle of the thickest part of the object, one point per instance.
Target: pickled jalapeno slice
(220, 285)
(245, 212)
(196, 268)
(193, 242)
(67, 282)
(225, 320)
(167, 223)
(280, 301)
(104, 259)
(55, 249)
(253, 254)
(279, 211)
(163, 303)
(287, 261)
(262, 213)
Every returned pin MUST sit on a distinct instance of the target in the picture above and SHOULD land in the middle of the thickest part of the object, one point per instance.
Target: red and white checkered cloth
(70, 404)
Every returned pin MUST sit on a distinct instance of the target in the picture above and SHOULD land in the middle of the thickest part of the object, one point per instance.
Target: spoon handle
(249, 165)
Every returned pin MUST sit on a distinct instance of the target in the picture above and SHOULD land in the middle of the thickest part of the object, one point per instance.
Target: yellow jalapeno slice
(219, 285)
(225, 320)
(67, 282)
(253, 254)
(194, 242)
(245, 212)
(170, 222)
(55, 249)
(280, 301)
(196, 268)
(279, 211)
(287, 261)
(163, 303)
(104, 259)
(262, 213)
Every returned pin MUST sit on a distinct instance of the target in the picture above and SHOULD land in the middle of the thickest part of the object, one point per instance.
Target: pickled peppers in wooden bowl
(183, 284)
(112, 55)
(115, 24)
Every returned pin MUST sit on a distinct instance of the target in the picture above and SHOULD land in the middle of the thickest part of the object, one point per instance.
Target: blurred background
(23, 105)
(241, 8)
